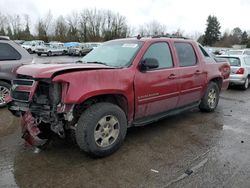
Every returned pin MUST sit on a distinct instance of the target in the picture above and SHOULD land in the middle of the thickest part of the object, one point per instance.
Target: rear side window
(161, 52)
(203, 51)
(247, 61)
(233, 61)
(247, 52)
(186, 54)
(7, 52)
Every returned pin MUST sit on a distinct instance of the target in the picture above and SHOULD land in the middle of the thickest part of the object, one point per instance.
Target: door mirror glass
(149, 63)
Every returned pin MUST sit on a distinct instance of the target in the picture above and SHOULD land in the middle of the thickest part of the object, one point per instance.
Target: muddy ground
(193, 149)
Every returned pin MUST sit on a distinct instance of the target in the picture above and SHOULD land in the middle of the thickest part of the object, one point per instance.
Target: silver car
(240, 69)
(12, 56)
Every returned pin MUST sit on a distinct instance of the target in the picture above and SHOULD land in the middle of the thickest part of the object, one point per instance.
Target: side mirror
(149, 63)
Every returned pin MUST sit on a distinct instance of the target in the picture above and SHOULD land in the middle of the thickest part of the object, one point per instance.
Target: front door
(157, 90)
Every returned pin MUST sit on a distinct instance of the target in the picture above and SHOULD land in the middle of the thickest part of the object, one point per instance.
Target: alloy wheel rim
(106, 131)
(4, 91)
(212, 98)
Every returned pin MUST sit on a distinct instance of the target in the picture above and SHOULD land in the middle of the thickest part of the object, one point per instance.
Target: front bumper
(31, 131)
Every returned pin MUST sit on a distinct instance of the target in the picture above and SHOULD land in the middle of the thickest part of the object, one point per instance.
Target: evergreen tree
(237, 34)
(2, 32)
(244, 38)
(212, 33)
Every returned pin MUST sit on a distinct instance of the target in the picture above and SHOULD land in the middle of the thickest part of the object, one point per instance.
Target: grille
(20, 95)
(24, 76)
(23, 82)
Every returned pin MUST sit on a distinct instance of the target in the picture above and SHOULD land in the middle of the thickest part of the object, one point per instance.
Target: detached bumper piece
(31, 131)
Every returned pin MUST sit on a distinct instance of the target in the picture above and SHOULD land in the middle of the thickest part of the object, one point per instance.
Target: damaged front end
(39, 103)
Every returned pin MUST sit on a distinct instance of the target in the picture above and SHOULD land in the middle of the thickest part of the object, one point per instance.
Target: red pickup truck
(122, 83)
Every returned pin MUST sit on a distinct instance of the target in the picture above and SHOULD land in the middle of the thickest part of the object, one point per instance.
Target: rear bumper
(237, 79)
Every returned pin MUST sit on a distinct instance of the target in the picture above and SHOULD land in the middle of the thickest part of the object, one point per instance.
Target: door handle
(172, 76)
(198, 72)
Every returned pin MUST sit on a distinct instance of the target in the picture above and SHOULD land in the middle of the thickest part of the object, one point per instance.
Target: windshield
(233, 61)
(235, 52)
(114, 53)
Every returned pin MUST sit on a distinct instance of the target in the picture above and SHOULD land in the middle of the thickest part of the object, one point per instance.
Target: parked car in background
(31, 46)
(20, 42)
(12, 56)
(83, 48)
(240, 70)
(122, 83)
(76, 49)
(239, 52)
(50, 49)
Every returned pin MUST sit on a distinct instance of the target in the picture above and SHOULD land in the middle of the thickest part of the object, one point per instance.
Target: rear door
(192, 75)
(11, 58)
(157, 90)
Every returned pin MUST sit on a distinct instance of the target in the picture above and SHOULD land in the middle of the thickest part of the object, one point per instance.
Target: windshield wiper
(79, 61)
(98, 62)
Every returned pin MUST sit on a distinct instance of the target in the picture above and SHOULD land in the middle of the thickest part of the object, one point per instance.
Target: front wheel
(210, 100)
(4, 91)
(49, 53)
(101, 129)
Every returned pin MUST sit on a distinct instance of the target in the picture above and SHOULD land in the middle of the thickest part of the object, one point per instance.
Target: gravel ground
(193, 149)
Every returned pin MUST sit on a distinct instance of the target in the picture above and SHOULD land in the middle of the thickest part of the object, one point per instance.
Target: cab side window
(161, 52)
(7, 52)
(186, 54)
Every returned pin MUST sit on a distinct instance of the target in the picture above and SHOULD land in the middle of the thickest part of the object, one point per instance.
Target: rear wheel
(4, 91)
(246, 84)
(101, 129)
(210, 100)
(39, 54)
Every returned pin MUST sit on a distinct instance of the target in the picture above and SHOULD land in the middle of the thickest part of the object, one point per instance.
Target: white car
(240, 69)
(31, 46)
(50, 49)
(239, 52)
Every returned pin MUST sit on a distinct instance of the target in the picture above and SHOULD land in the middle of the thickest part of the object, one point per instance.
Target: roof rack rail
(170, 36)
(4, 38)
(159, 36)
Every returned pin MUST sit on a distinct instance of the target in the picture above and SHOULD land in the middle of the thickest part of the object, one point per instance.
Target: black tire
(49, 53)
(87, 127)
(39, 54)
(206, 104)
(246, 84)
(2, 86)
(30, 51)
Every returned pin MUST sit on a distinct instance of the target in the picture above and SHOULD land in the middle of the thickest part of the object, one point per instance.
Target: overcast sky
(189, 15)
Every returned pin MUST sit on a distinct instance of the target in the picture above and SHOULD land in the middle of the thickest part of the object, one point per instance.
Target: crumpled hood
(48, 70)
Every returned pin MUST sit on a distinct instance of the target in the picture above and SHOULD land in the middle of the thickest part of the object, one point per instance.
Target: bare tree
(152, 28)
(73, 22)
(3, 24)
(60, 29)
(16, 25)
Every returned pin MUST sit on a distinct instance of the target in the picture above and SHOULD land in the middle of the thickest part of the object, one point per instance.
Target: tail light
(240, 71)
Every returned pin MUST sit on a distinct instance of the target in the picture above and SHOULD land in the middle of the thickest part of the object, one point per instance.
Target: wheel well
(218, 81)
(7, 81)
(116, 99)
